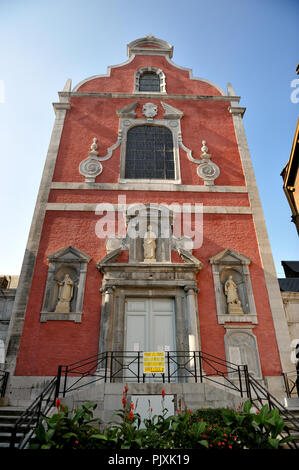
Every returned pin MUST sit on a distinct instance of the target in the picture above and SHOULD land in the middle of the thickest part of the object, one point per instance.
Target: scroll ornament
(207, 170)
(91, 167)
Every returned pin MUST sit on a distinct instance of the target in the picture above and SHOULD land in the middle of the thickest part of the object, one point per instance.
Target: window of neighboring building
(149, 153)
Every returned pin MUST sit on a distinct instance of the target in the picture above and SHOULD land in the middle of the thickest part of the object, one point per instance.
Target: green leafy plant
(256, 430)
(202, 429)
(67, 431)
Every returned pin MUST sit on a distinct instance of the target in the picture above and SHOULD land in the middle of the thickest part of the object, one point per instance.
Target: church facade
(148, 233)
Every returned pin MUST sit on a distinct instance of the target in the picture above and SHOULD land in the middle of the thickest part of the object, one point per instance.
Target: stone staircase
(292, 405)
(8, 417)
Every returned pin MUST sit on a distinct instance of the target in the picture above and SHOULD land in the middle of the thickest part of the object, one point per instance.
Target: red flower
(124, 401)
(126, 389)
(230, 447)
(163, 393)
(257, 412)
(132, 406)
(131, 415)
(58, 403)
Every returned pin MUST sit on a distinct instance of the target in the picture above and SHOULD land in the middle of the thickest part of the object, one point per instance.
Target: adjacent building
(290, 176)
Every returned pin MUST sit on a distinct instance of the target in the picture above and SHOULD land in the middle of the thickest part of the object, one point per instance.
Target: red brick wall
(45, 345)
(96, 117)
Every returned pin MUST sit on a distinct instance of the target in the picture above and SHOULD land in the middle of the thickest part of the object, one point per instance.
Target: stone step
(12, 419)
(5, 436)
(8, 417)
(9, 426)
(11, 410)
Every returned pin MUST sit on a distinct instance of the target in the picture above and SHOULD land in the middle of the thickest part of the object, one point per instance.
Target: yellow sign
(153, 362)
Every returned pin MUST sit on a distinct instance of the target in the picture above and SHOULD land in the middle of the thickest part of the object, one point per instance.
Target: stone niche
(160, 221)
(64, 292)
(233, 289)
(241, 348)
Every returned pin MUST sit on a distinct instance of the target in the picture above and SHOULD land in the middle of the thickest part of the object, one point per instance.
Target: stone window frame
(231, 259)
(150, 69)
(150, 135)
(68, 257)
(173, 125)
(91, 167)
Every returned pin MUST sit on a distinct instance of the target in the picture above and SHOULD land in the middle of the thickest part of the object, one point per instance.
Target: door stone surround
(171, 280)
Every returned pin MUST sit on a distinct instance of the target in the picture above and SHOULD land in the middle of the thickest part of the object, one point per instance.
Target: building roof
(291, 268)
(290, 182)
(289, 284)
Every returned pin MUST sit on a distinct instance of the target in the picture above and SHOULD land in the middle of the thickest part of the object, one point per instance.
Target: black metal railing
(291, 382)
(3, 382)
(260, 396)
(29, 420)
(127, 366)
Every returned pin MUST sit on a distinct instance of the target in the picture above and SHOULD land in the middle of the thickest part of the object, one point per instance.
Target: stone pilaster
(23, 290)
(280, 324)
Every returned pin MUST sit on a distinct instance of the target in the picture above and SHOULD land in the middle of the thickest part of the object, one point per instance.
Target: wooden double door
(150, 324)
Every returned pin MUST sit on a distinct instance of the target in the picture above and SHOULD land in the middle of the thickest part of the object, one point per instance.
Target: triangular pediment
(229, 256)
(171, 112)
(111, 257)
(68, 254)
(188, 258)
(128, 111)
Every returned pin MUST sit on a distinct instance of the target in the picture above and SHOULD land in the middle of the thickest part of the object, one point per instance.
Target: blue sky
(251, 43)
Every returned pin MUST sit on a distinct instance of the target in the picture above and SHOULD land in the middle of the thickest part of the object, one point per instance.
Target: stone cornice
(126, 186)
(163, 96)
(237, 110)
(59, 106)
(91, 207)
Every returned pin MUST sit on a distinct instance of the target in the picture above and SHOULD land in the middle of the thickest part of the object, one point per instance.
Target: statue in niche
(65, 294)
(149, 245)
(232, 297)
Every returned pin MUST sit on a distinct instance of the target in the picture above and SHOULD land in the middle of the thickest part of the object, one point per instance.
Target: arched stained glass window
(149, 153)
(149, 81)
